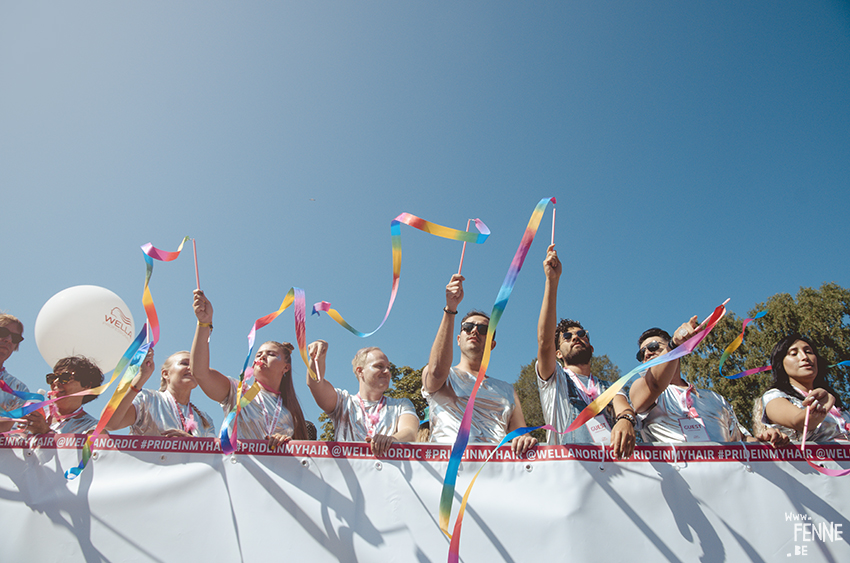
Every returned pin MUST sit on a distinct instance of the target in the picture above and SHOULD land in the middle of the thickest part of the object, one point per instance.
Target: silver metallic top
(494, 405)
(9, 402)
(830, 429)
(353, 424)
(157, 411)
(661, 422)
(80, 424)
(263, 416)
(562, 401)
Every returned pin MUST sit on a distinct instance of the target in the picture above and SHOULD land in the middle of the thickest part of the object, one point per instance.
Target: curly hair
(563, 326)
(85, 371)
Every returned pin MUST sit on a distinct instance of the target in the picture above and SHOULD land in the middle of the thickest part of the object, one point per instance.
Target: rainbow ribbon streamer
(24, 396)
(248, 389)
(748, 372)
(462, 440)
(844, 363)
(128, 365)
(738, 341)
(593, 409)
(395, 232)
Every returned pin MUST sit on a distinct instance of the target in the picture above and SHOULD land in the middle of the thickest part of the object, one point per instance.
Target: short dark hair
(654, 332)
(475, 313)
(781, 380)
(86, 373)
(563, 326)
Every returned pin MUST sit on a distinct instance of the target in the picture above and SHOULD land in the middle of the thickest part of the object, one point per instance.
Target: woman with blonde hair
(167, 412)
(274, 414)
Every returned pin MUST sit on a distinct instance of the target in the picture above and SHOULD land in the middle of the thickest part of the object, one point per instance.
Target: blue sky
(698, 151)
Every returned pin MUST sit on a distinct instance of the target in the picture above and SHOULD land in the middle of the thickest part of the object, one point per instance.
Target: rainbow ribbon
(395, 232)
(128, 365)
(462, 440)
(738, 341)
(844, 363)
(748, 372)
(593, 409)
(247, 388)
(24, 396)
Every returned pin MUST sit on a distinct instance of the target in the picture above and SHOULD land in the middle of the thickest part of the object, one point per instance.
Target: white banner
(172, 499)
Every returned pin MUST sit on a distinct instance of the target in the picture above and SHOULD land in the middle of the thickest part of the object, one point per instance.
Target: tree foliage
(529, 397)
(821, 314)
(405, 382)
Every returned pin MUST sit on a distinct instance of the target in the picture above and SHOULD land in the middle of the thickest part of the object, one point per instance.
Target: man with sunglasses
(671, 410)
(497, 410)
(564, 380)
(11, 336)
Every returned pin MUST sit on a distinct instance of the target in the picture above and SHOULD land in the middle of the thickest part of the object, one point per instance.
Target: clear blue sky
(698, 151)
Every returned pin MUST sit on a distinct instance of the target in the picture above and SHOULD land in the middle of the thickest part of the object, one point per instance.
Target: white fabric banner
(173, 499)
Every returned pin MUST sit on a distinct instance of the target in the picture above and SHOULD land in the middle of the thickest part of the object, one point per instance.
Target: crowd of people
(660, 406)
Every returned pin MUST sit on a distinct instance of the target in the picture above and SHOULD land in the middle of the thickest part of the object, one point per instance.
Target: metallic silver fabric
(827, 430)
(155, 414)
(494, 405)
(9, 402)
(77, 425)
(350, 424)
(562, 402)
(661, 422)
(254, 421)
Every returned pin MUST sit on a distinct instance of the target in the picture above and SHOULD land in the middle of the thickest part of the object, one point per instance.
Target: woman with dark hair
(70, 376)
(274, 414)
(167, 412)
(799, 384)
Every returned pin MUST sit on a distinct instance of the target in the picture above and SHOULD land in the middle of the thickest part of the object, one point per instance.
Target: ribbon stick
(463, 250)
(395, 232)
(738, 341)
(553, 226)
(462, 440)
(247, 388)
(195, 254)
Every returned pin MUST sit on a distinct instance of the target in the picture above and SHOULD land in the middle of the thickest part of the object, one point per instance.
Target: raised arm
(322, 390)
(646, 390)
(434, 375)
(214, 384)
(125, 414)
(548, 321)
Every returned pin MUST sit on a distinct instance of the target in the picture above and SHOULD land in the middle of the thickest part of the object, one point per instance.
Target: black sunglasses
(652, 347)
(64, 377)
(581, 333)
(16, 338)
(469, 327)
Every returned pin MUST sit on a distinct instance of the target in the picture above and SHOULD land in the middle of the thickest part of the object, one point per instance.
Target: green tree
(529, 396)
(405, 382)
(821, 314)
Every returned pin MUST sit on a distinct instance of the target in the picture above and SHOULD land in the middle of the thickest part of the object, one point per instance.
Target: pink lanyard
(687, 402)
(270, 425)
(188, 426)
(371, 420)
(591, 391)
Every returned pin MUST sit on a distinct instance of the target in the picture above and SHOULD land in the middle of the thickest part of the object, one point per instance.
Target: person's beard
(579, 356)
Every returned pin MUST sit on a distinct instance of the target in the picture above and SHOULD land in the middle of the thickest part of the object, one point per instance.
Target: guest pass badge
(599, 429)
(694, 429)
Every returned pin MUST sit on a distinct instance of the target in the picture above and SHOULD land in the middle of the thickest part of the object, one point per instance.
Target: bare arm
(434, 375)
(782, 411)
(646, 390)
(520, 444)
(546, 324)
(214, 384)
(125, 413)
(322, 390)
(408, 426)
(623, 432)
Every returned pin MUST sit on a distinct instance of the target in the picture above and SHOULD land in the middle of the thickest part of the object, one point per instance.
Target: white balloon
(84, 320)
